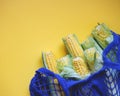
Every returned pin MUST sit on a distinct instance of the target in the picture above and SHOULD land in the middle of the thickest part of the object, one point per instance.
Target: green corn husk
(65, 61)
(70, 73)
(89, 43)
(65, 67)
(102, 35)
(98, 63)
(93, 59)
(44, 60)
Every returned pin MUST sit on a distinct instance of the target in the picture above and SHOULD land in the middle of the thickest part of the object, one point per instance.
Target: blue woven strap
(112, 45)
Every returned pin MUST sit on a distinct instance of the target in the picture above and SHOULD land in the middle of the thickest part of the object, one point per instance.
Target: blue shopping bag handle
(115, 42)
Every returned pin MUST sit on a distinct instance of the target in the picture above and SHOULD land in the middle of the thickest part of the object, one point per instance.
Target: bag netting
(105, 82)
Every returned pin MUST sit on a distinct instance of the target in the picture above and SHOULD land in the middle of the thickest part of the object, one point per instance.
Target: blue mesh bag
(105, 82)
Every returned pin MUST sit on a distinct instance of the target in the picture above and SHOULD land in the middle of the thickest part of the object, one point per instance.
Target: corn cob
(94, 59)
(58, 88)
(50, 61)
(89, 43)
(55, 88)
(80, 67)
(90, 57)
(73, 46)
(103, 35)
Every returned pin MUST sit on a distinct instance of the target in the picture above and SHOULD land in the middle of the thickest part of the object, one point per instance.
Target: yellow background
(29, 27)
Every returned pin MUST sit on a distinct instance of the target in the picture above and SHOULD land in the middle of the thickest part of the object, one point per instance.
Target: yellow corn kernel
(73, 46)
(51, 62)
(80, 67)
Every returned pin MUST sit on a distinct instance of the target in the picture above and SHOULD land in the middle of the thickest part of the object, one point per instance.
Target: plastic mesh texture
(44, 84)
(105, 82)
